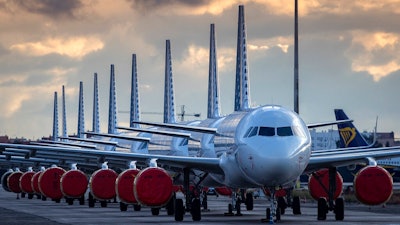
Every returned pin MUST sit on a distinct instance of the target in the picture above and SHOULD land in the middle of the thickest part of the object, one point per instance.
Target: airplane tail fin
(213, 109)
(134, 113)
(64, 115)
(55, 118)
(112, 110)
(349, 135)
(169, 105)
(96, 117)
(81, 118)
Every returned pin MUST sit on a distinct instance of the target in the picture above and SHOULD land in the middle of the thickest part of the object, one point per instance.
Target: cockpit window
(284, 131)
(253, 132)
(266, 131)
(247, 132)
(298, 132)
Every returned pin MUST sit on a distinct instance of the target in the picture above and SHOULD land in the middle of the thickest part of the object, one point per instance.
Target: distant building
(387, 139)
(321, 140)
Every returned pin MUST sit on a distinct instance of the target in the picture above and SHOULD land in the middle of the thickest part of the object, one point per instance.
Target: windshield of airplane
(273, 131)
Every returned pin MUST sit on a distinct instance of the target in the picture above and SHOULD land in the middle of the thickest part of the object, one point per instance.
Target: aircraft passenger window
(267, 131)
(284, 131)
(184, 142)
(253, 132)
(247, 132)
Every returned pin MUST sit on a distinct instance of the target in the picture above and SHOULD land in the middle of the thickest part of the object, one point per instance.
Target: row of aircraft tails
(145, 164)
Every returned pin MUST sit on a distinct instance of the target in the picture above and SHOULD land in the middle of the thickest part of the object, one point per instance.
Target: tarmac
(35, 211)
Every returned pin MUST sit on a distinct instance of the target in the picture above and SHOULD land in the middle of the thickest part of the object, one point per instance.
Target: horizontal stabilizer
(117, 136)
(206, 130)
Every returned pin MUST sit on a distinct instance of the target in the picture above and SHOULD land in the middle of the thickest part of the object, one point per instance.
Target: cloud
(76, 47)
(375, 53)
(50, 8)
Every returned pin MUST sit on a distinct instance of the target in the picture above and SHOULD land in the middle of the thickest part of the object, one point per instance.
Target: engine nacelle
(102, 184)
(25, 182)
(225, 191)
(74, 183)
(49, 182)
(153, 187)
(13, 182)
(373, 185)
(4, 180)
(124, 186)
(35, 182)
(318, 184)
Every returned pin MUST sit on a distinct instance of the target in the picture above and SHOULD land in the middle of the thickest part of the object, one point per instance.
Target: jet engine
(124, 186)
(13, 181)
(25, 182)
(373, 185)
(35, 182)
(153, 187)
(318, 184)
(49, 182)
(74, 183)
(225, 191)
(102, 184)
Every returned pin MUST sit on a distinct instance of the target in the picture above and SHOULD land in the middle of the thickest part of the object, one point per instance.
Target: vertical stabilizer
(242, 94)
(96, 116)
(112, 110)
(349, 135)
(55, 118)
(81, 118)
(213, 109)
(134, 95)
(169, 107)
(64, 115)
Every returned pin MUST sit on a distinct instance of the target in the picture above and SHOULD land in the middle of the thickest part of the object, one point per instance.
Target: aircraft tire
(137, 207)
(70, 201)
(268, 213)
(196, 210)
(322, 209)
(282, 205)
(278, 214)
(82, 200)
(103, 204)
(339, 209)
(170, 206)
(296, 205)
(123, 207)
(30, 196)
(249, 201)
(155, 211)
(179, 210)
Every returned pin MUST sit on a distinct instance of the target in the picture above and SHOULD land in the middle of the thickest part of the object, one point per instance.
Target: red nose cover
(49, 182)
(318, 184)
(13, 182)
(35, 182)
(124, 185)
(153, 187)
(25, 182)
(102, 184)
(373, 185)
(74, 183)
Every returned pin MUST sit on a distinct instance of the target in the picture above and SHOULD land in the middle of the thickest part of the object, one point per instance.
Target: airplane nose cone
(268, 169)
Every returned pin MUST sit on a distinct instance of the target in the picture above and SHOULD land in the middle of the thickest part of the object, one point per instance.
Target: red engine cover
(74, 183)
(102, 184)
(322, 177)
(25, 182)
(4, 180)
(49, 182)
(124, 185)
(35, 182)
(153, 187)
(373, 185)
(13, 182)
(225, 191)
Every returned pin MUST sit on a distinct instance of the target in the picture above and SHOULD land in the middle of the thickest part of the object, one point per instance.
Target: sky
(349, 58)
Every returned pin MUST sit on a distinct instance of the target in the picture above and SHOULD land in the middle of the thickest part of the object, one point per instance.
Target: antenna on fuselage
(242, 85)
(296, 58)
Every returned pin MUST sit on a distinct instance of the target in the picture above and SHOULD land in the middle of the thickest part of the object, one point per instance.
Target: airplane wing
(171, 162)
(343, 157)
(315, 125)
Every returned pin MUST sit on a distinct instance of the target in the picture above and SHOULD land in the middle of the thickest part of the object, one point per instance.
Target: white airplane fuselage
(268, 146)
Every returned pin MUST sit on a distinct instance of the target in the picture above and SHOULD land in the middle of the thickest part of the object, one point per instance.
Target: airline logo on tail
(348, 134)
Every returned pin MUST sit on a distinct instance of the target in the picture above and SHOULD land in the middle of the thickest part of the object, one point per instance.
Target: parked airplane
(266, 146)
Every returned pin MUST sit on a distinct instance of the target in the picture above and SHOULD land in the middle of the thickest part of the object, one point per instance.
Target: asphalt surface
(35, 211)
